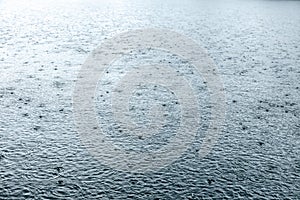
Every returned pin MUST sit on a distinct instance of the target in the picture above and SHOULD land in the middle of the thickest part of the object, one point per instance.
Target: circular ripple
(105, 148)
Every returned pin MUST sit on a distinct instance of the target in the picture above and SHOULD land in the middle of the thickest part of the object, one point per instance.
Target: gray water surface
(255, 46)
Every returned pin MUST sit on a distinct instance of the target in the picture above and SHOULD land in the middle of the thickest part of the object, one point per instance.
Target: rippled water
(256, 47)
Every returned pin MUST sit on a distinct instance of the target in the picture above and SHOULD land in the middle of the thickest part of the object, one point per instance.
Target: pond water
(255, 46)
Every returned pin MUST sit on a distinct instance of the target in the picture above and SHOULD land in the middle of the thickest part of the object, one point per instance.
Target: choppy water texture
(256, 47)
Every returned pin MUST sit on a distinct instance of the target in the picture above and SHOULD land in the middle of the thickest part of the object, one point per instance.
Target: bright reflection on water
(255, 45)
